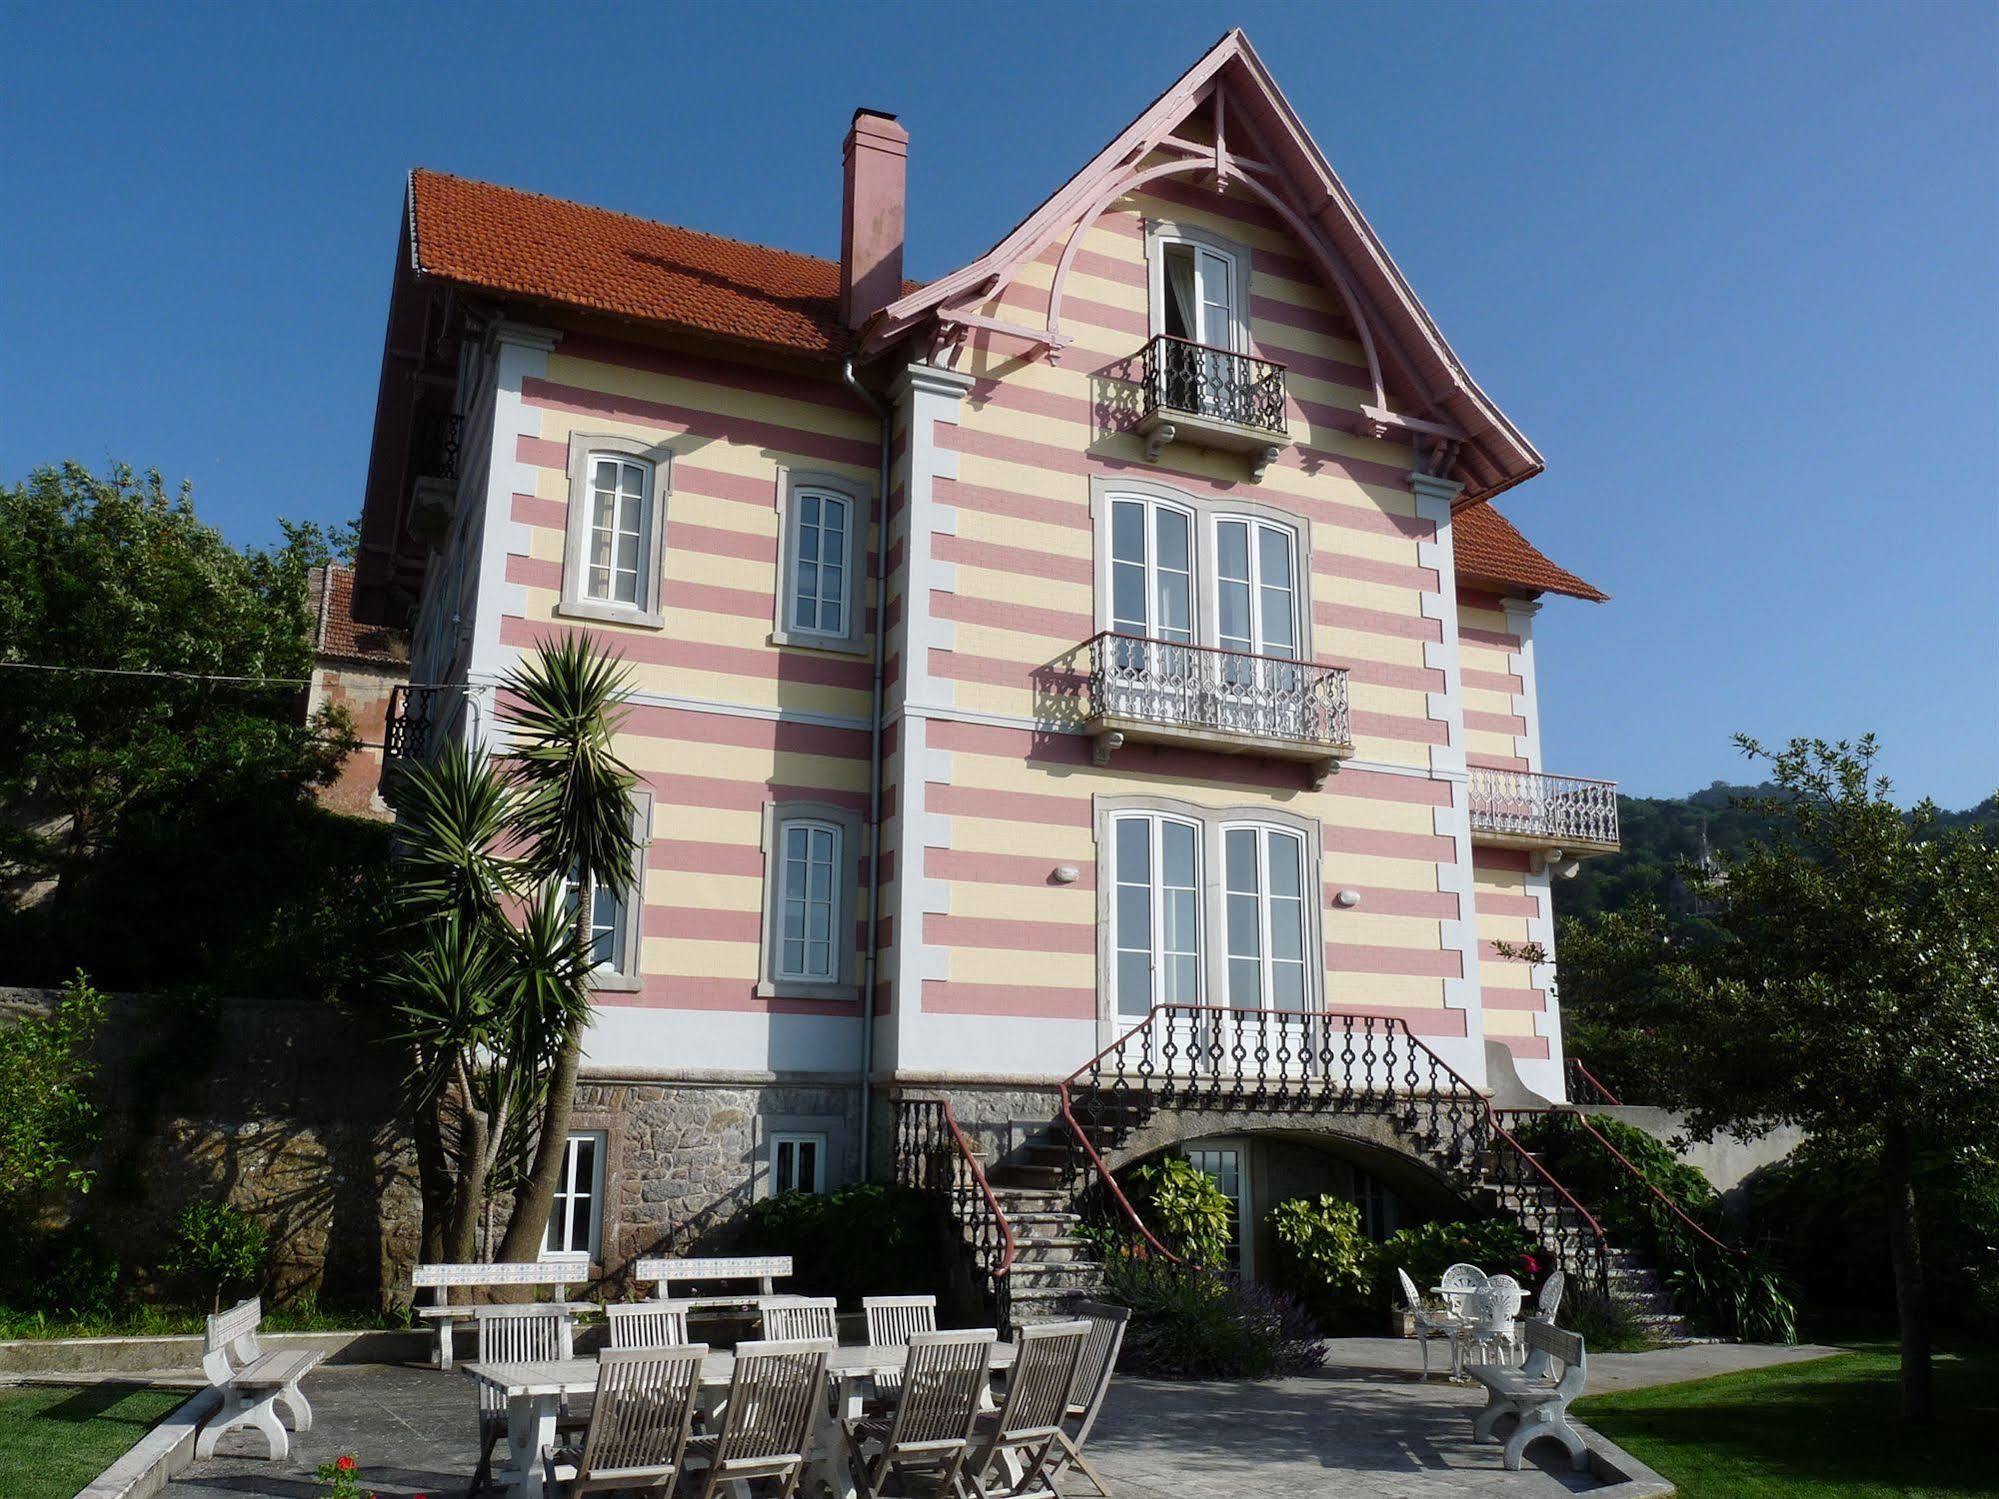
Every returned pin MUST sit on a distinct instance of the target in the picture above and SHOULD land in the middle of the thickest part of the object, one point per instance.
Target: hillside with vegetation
(1661, 834)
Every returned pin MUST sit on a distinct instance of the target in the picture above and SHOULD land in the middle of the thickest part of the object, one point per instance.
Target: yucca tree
(573, 812)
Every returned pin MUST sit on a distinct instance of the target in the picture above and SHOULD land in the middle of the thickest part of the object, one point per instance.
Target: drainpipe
(874, 768)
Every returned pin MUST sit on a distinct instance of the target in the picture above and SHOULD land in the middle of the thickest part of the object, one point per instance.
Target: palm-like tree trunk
(536, 1198)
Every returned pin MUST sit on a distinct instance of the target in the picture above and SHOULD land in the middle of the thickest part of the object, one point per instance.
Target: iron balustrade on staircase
(1558, 810)
(1315, 1062)
(1179, 375)
(1585, 1086)
(932, 1155)
(1135, 677)
(1671, 1209)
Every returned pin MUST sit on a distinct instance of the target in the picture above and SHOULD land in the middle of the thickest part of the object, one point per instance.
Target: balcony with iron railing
(1526, 809)
(1214, 398)
(1145, 691)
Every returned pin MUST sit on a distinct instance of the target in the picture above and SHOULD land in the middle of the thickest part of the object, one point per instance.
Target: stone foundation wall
(683, 1159)
(287, 1110)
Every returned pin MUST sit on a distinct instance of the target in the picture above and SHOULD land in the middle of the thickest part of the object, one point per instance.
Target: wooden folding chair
(1028, 1426)
(1093, 1382)
(766, 1430)
(531, 1334)
(925, 1441)
(640, 1422)
(892, 1321)
(647, 1324)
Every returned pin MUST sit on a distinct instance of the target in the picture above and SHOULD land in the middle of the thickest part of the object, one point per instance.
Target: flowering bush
(341, 1479)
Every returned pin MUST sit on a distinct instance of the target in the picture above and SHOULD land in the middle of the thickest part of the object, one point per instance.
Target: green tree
(492, 972)
(48, 1121)
(102, 576)
(1852, 988)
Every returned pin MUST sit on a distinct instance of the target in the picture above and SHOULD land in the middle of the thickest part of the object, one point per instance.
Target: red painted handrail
(985, 1188)
(1596, 1082)
(1103, 1171)
(1624, 1161)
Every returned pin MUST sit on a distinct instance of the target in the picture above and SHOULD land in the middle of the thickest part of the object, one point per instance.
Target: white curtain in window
(1180, 290)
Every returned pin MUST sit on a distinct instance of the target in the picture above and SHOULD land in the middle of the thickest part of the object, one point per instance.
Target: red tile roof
(1490, 550)
(337, 633)
(500, 239)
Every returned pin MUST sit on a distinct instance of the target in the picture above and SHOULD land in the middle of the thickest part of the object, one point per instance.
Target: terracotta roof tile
(500, 239)
(1488, 548)
(335, 630)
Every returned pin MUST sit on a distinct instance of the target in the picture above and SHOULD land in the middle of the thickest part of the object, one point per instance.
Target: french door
(1256, 615)
(1266, 928)
(1152, 600)
(1200, 306)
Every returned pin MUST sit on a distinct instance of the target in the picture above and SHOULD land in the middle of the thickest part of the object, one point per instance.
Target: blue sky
(1729, 266)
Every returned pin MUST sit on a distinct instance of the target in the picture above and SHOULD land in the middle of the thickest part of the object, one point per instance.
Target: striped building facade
(871, 549)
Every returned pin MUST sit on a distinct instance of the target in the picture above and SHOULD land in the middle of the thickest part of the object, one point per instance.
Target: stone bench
(559, 1274)
(761, 1269)
(252, 1384)
(1538, 1393)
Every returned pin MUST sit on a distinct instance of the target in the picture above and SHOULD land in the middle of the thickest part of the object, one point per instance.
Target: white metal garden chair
(1549, 1301)
(1431, 1327)
(924, 1442)
(640, 1422)
(1492, 1331)
(766, 1432)
(1025, 1433)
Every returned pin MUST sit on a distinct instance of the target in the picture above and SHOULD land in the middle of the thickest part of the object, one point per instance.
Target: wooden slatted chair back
(1098, 1360)
(1038, 1385)
(641, 1417)
(789, 1318)
(519, 1335)
(894, 1320)
(773, 1395)
(943, 1384)
(647, 1324)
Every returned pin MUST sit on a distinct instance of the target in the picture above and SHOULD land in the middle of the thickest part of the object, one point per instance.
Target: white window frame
(584, 449)
(1245, 1228)
(1207, 515)
(1266, 959)
(1156, 889)
(1212, 915)
(792, 485)
(772, 981)
(795, 1138)
(1256, 524)
(1159, 234)
(627, 973)
(566, 1194)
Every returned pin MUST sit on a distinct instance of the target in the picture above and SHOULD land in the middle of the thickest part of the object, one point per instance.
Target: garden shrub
(1322, 1257)
(217, 1249)
(1605, 1325)
(1185, 1207)
(862, 1240)
(1427, 1250)
(1188, 1323)
(1728, 1294)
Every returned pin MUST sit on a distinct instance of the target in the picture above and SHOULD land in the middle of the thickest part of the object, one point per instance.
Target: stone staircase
(1054, 1268)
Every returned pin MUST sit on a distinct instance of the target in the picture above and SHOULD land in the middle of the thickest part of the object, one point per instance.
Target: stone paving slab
(1364, 1426)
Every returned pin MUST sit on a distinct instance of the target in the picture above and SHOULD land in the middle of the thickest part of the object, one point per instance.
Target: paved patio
(1363, 1426)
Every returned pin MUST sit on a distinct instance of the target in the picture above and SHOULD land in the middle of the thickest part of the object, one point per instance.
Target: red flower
(345, 1462)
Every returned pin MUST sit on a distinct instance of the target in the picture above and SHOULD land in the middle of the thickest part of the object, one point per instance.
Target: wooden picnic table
(534, 1391)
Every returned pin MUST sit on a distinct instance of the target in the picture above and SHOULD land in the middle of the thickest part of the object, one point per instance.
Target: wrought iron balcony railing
(1191, 379)
(437, 445)
(1166, 692)
(1527, 808)
(413, 723)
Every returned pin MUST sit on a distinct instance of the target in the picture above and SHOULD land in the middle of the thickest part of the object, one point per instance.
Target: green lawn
(1827, 1428)
(55, 1438)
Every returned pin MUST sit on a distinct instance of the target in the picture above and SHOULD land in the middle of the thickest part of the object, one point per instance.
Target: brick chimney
(871, 216)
